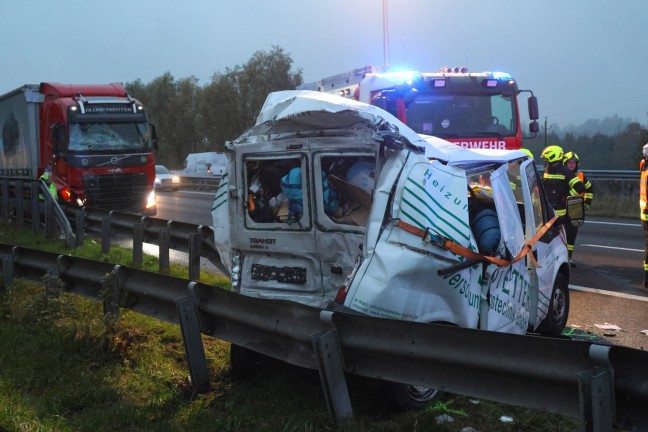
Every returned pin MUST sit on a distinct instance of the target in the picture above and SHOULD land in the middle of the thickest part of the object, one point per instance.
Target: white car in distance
(165, 179)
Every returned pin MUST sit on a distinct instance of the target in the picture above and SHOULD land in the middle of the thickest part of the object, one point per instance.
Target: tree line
(191, 118)
(621, 151)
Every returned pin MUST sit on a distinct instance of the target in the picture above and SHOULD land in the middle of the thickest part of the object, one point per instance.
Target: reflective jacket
(559, 183)
(643, 190)
(588, 195)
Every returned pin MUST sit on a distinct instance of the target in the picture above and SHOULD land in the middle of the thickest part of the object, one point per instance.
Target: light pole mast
(385, 35)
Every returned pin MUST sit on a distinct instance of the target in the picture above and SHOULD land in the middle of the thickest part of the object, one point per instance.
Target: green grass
(63, 369)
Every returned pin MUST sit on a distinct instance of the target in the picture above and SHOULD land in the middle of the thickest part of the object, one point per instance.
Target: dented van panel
(327, 198)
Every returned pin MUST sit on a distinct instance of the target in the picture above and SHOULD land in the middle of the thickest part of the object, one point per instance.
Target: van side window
(347, 188)
(274, 190)
(536, 198)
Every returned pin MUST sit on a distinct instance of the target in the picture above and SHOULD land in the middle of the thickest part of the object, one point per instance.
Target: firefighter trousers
(571, 232)
(644, 225)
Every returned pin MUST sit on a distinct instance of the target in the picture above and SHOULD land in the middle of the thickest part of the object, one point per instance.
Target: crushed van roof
(293, 111)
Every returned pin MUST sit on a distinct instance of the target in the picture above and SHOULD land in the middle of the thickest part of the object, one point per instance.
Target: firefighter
(47, 178)
(559, 182)
(571, 161)
(643, 205)
(528, 152)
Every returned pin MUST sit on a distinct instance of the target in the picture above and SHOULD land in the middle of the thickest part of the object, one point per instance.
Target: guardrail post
(105, 234)
(80, 227)
(138, 244)
(110, 289)
(5, 198)
(331, 368)
(20, 204)
(596, 388)
(190, 327)
(50, 224)
(35, 207)
(52, 283)
(194, 256)
(7, 263)
(163, 251)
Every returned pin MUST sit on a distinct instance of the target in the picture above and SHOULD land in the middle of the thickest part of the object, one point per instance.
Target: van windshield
(104, 136)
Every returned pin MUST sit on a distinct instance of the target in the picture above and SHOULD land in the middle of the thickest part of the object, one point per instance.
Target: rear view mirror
(576, 210)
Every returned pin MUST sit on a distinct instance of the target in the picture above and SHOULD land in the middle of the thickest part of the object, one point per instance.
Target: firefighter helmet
(645, 151)
(528, 152)
(553, 153)
(571, 156)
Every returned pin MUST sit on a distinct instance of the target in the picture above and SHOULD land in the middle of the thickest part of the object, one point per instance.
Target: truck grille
(116, 192)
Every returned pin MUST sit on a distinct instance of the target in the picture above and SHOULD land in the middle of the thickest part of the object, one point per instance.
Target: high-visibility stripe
(560, 212)
(645, 267)
(554, 176)
(573, 181)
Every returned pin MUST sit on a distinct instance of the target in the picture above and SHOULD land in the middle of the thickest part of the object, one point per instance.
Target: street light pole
(385, 35)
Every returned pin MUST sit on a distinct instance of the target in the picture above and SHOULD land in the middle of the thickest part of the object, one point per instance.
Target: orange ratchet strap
(457, 249)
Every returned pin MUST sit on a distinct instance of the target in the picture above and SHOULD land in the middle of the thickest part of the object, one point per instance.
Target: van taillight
(341, 295)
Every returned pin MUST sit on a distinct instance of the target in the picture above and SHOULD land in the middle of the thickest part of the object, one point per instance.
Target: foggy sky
(582, 58)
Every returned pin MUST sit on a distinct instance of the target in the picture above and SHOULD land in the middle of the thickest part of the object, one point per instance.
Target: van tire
(407, 397)
(556, 319)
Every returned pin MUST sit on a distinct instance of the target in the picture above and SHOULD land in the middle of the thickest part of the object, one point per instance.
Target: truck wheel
(407, 397)
(556, 319)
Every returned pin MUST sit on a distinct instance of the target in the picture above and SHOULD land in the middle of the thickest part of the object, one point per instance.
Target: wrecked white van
(335, 203)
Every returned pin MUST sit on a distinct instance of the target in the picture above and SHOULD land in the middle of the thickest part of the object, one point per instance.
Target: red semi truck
(473, 110)
(95, 139)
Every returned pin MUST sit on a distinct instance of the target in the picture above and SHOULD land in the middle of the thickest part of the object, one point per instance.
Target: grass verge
(63, 369)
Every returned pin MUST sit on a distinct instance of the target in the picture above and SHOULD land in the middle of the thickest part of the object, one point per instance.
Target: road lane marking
(610, 293)
(612, 247)
(612, 223)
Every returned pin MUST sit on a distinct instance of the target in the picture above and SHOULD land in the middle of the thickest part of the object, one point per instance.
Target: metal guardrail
(612, 174)
(209, 183)
(600, 384)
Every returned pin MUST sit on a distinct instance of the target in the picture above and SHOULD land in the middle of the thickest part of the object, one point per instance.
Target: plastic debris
(443, 418)
(607, 326)
(468, 429)
(474, 401)
(506, 419)
(644, 332)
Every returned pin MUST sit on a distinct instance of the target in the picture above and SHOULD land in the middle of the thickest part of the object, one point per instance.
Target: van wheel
(407, 397)
(556, 319)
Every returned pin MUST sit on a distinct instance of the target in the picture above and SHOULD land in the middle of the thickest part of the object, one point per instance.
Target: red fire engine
(473, 110)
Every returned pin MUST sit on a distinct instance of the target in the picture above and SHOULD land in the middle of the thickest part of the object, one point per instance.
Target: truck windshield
(463, 116)
(104, 136)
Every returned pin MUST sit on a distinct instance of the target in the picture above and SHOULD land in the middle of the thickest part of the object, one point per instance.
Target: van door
(536, 215)
(509, 287)
(271, 219)
(343, 184)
